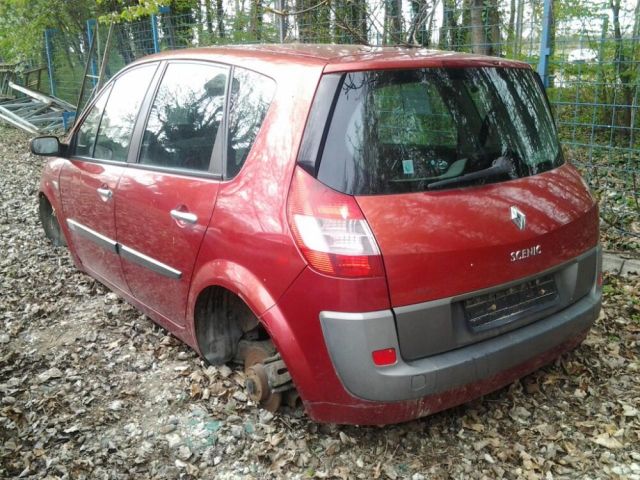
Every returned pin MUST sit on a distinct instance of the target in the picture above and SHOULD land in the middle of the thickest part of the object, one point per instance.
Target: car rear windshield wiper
(500, 166)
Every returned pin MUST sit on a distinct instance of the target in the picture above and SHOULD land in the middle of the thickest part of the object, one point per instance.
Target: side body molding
(125, 252)
(97, 238)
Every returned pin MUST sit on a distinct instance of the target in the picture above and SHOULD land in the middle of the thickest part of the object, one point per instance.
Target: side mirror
(48, 146)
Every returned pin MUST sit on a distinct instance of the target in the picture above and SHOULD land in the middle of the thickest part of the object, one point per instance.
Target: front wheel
(50, 223)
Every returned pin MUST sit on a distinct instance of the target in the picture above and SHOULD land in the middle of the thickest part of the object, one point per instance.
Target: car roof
(339, 58)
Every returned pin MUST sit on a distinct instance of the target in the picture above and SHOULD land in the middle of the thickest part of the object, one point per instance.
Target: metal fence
(589, 60)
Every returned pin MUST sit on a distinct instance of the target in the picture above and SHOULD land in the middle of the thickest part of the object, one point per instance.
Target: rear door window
(119, 117)
(186, 117)
(251, 94)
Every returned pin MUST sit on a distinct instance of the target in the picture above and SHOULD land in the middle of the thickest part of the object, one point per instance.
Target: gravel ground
(90, 388)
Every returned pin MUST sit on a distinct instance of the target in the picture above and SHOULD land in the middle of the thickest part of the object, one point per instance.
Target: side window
(85, 137)
(251, 94)
(120, 113)
(185, 118)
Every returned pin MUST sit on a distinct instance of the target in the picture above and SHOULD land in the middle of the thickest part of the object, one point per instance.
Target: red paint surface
(79, 183)
(144, 222)
(440, 244)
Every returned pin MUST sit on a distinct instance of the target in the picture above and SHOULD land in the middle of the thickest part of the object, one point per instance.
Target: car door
(99, 151)
(166, 199)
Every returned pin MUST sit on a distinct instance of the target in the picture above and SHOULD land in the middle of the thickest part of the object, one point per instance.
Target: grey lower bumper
(351, 337)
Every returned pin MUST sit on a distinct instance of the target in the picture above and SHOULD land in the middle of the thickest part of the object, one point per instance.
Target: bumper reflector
(384, 357)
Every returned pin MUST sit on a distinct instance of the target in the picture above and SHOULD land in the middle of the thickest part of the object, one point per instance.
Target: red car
(387, 231)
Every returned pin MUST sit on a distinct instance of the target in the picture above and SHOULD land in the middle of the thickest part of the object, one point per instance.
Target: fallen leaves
(607, 441)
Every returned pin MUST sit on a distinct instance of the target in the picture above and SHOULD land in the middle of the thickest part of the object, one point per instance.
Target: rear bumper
(339, 383)
(363, 412)
(350, 339)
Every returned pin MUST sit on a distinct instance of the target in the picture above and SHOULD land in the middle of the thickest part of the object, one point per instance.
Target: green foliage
(127, 11)
(22, 23)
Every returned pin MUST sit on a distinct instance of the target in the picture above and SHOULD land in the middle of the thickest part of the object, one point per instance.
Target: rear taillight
(330, 230)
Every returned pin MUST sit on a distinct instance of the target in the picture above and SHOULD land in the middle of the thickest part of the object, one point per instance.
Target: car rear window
(394, 131)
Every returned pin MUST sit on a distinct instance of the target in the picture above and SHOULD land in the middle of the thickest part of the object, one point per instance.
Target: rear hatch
(458, 172)
(443, 244)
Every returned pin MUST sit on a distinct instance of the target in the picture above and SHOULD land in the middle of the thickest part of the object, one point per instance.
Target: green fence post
(154, 32)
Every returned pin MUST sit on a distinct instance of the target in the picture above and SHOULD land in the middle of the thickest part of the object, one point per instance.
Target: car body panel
(145, 200)
(440, 244)
(297, 313)
(79, 183)
(248, 247)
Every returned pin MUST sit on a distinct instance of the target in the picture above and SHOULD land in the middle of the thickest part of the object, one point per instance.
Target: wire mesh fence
(589, 59)
(593, 85)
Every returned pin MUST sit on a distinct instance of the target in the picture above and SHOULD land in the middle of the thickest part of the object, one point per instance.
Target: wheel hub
(266, 375)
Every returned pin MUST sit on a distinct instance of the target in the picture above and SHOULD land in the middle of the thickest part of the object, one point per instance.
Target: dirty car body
(399, 224)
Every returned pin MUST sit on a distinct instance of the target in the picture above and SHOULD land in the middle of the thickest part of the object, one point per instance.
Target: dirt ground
(90, 388)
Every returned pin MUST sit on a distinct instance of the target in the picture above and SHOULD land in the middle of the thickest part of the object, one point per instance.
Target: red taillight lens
(330, 230)
(386, 356)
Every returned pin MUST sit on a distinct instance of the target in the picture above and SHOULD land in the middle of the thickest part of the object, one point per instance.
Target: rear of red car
(450, 248)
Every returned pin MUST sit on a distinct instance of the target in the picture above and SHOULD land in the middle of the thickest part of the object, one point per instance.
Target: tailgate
(442, 244)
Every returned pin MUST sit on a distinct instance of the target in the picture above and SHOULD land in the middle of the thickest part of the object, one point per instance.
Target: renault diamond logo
(519, 218)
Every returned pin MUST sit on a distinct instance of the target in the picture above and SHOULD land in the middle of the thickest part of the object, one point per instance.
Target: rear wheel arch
(241, 282)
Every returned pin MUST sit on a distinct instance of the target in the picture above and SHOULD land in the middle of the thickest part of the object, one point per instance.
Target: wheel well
(44, 202)
(49, 221)
(221, 320)
(43, 197)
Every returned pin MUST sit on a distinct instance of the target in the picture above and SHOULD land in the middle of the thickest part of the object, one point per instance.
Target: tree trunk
(494, 39)
(517, 40)
(478, 38)
(511, 27)
(552, 41)
(208, 16)
(419, 32)
(305, 24)
(392, 22)
(220, 18)
(485, 27)
(255, 23)
(463, 36)
(622, 71)
(323, 22)
(448, 33)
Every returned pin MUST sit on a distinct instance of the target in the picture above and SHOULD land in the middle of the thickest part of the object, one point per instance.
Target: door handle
(182, 216)
(105, 194)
